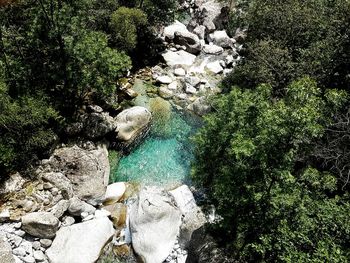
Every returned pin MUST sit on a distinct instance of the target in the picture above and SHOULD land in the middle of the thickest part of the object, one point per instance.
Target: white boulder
(154, 224)
(193, 217)
(179, 58)
(180, 72)
(81, 243)
(169, 31)
(214, 67)
(114, 192)
(132, 122)
(164, 79)
(221, 39)
(213, 49)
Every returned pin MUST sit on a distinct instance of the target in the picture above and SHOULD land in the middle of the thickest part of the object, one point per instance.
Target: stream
(164, 157)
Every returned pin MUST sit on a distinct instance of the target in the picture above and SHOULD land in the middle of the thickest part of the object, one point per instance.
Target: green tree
(310, 37)
(26, 129)
(251, 162)
(125, 23)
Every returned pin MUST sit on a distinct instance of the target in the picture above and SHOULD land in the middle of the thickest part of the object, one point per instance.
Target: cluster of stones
(199, 55)
(85, 213)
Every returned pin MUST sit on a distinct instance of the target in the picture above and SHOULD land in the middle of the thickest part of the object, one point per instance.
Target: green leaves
(124, 23)
(250, 160)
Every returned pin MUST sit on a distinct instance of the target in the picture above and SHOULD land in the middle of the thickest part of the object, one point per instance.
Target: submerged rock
(81, 243)
(154, 223)
(40, 224)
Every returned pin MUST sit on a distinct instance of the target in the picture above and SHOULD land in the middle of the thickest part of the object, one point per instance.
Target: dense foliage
(251, 160)
(57, 56)
(273, 156)
(289, 39)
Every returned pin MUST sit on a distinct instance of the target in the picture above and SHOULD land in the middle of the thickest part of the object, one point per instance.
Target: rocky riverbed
(71, 214)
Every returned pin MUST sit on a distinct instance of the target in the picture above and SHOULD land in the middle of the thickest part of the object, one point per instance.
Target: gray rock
(179, 58)
(154, 224)
(199, 106)
(164, 79)
(165, 93)
(17, 240)
(173, 85)
(36, 245)
(19, 252)
(203, 249)
(131, 123)
(81, 243)
(170, 30)
(87, 171)
(200, 31)
(213, 49)
(190, 89)
(61, 182)
(68, 221)
(59, 208)
(40, 224)
(4, 215)
(214, 67)
(77, 207)
(5, 251)
(13, 184)
(193, 81)
(221, 39)
(20, 233)
(193, 217)
(28, 259)
(180, 72)
(189, 40)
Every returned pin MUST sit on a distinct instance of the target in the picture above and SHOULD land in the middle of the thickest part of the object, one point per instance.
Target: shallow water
(165, 157)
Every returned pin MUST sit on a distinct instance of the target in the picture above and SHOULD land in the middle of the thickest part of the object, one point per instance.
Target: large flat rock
(81, 243)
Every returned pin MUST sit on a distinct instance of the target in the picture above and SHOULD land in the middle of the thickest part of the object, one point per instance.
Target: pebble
(179, 72)
(84, 214)
(28, 259)
(17, 225)
(20, 233)
(54, 191)
(47, 186)
(36, 245)
(69, 221)
(19, 252)
(45, 243)
(39, 256)
(16, 240)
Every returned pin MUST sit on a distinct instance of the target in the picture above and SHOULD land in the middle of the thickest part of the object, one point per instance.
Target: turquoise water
(165, 157)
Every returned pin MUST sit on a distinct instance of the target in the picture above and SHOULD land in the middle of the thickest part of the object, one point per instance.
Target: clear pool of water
(165, 157)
